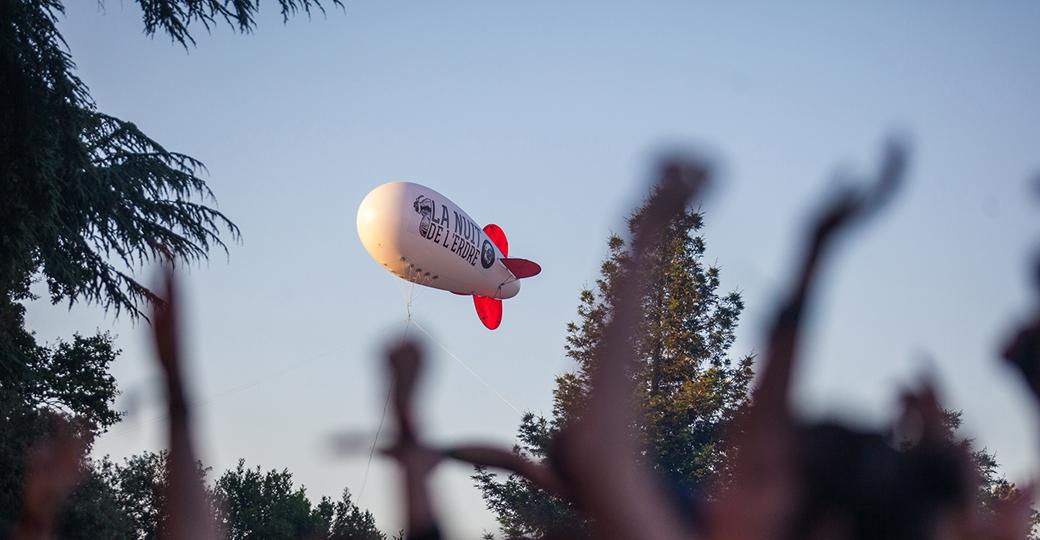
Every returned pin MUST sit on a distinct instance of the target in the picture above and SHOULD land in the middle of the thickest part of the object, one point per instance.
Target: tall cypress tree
(689, 386)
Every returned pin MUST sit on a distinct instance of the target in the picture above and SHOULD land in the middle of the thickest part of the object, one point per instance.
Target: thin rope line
(135, 419)
(470, 370)
(386, 404)
(372, 451)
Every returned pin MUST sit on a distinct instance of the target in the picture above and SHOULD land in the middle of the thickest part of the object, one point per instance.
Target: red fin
(489, 310)
(498, 236)
(522, 268)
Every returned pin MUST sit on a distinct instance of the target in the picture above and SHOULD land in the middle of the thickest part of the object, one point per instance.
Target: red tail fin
(498, 236)
(522, 268)
(489, 310)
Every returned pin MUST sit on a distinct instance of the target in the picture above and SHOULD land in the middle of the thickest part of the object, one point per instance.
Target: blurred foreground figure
(1023, 349)
(1022, 352)
(55, 463)
(415, 460)
(54, 469)
(826, 480)
(597, 453)
(187, 510)
(790, 479)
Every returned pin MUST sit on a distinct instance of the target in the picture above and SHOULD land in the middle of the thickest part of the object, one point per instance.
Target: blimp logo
(487, 254)
(424, 206)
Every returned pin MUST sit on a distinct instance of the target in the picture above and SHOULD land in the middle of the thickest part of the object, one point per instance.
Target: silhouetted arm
(1023, 349)
(187, 509)
(597, 454)
(847, 208)
(760, 500)
(415, 460)
(538, 474)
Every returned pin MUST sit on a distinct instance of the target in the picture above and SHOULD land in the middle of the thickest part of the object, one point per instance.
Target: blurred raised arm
(187, 508)
(484, 455)
(597, 454)
(848, 207)
(414, 459)
(759, 502)
(1023, 349)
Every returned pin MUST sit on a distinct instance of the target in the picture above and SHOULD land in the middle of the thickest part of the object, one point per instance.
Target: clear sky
(544, 117)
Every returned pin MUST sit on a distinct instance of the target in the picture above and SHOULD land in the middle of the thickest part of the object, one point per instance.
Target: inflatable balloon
(419, 235)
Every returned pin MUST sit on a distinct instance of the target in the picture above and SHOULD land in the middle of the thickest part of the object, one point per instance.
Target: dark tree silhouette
(37, 383)
(85, 200)
(84, 197)
(258, 504)
(176, 16)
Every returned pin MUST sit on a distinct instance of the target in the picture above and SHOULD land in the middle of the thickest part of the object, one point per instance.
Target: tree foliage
(85, 200)
(137, 486)
(349, 521)
(254, 504)
(126, 500)
(69, 379)
(993, 487)
(175, 17)
(93, 511)
(689, 387)
(84, 197)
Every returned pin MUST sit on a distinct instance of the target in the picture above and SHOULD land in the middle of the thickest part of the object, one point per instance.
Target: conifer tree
(689, 385)
(86, 199)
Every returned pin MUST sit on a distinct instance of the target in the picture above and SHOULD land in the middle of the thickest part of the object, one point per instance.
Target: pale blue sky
(544, 117)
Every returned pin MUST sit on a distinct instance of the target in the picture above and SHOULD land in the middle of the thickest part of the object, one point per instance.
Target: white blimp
(419, 235)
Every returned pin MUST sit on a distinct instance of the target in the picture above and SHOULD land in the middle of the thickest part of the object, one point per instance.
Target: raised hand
(848, 207)
(761, 499)
(1023, 353)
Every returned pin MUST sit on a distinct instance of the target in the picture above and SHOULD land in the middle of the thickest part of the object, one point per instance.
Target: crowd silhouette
(791, 478)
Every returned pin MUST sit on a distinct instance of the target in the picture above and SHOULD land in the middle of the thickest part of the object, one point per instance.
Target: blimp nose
(368, 222)
(367, 217)
(378, 222)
